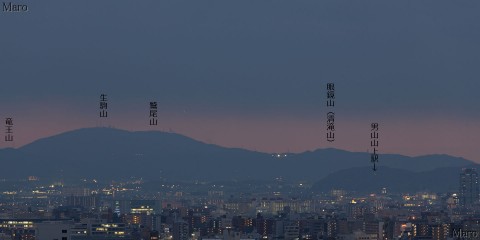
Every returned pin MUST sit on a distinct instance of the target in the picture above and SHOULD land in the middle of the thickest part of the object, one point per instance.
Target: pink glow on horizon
(277, 134)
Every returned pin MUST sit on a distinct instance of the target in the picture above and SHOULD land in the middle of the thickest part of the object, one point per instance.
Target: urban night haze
(236, 120)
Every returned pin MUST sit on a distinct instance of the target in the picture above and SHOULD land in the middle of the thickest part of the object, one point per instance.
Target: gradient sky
(249, 74)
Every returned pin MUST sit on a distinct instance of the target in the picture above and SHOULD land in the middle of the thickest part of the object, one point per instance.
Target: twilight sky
(249, 74)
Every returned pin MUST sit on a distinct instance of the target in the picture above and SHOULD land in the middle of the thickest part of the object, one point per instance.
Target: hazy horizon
(231, 74)
(221, 145)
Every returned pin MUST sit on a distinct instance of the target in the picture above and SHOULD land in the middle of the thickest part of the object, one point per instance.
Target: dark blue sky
(226, 66)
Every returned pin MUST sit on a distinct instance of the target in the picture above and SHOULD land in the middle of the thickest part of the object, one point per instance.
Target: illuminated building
(180, 231)
(138, 206)
(23, 230)
(53, 230)
(117, 229)
(469, 187)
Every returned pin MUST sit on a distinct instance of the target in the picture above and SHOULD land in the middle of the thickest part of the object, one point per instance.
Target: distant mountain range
(107, 153)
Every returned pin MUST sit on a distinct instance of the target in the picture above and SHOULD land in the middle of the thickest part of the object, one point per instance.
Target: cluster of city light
(279, 155)
(142, 209)
(26, 224)
(109, 225)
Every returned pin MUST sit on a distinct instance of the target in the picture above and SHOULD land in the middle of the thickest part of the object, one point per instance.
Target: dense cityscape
(137, 209)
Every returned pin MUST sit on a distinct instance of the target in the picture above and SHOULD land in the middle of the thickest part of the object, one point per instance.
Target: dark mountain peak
(103, 136)
(113, 153)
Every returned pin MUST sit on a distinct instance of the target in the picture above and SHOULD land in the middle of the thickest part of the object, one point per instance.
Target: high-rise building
(469, 190)
(180, 230)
